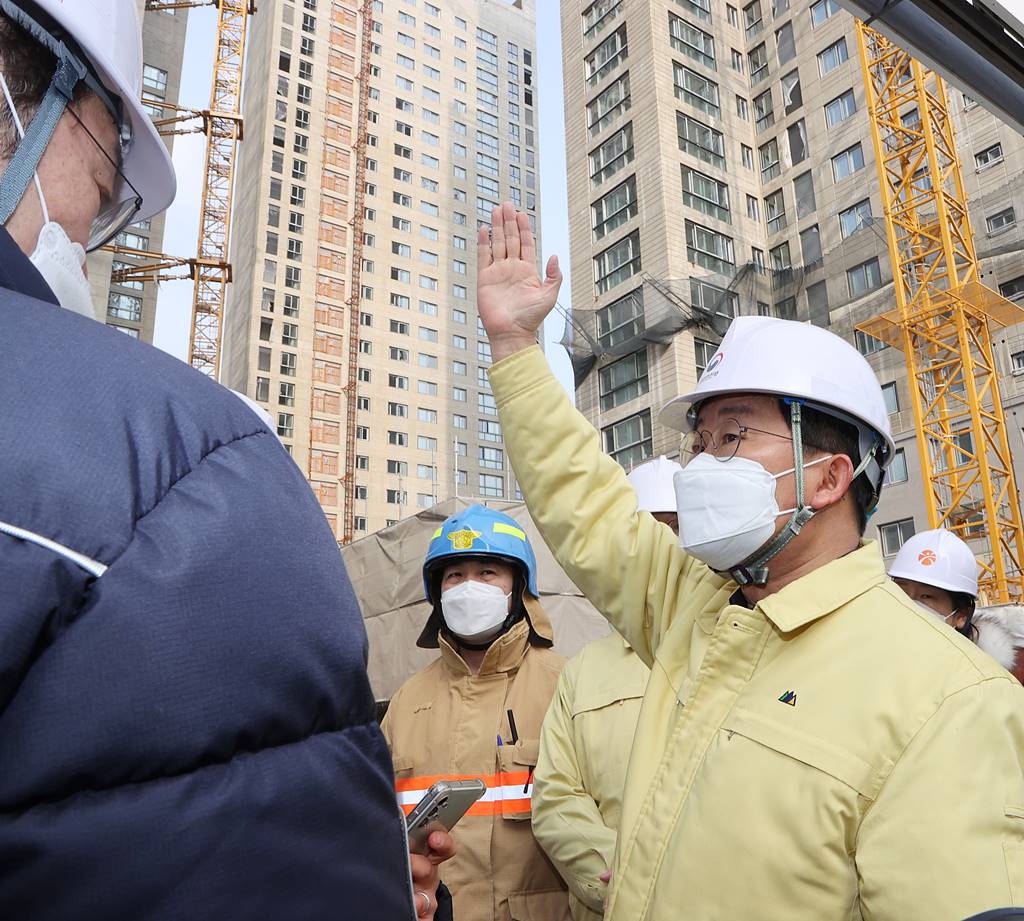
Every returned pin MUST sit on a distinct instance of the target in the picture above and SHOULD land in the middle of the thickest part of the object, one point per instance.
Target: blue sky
(175, 301)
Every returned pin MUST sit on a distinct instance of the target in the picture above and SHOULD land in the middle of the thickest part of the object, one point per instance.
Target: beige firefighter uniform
(831, 753)
(444, 723)
(581, 772)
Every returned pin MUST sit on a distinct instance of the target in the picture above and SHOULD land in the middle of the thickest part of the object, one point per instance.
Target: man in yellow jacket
(477, 710)
(811, 744)
(587, 734)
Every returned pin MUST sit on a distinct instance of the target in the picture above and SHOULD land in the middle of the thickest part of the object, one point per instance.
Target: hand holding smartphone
(442, 806)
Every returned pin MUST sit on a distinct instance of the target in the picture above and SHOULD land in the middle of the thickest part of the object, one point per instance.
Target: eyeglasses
(125, 203)
(723, 441)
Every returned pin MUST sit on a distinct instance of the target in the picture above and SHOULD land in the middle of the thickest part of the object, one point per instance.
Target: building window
(770, 164)
(705, 194)
(848, 162)
(602, 60)
(609, 103)
(989, 155)
(598, 15)
(822, 10)
(866, 344)
(703, 352)
(695, 90)
(621, 320)
(895, 534)
(629, 441)
(892, 399)
(491, 486)
(623, 380)
(775, 211)
(124, 307)
(700, 140)
(614, 209)
(834, 55)
(615, 153)
(617, 263)
(708, 248)
(711, 299)
(154, 78)
(896, 472)
(488, 430)
(852, 219)
(764, 111)
(1001, 220)
(840, 109)
(864, 277)
(693, 42)
(758, 61)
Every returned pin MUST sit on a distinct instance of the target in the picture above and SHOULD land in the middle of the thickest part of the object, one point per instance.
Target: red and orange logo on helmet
(927, 557)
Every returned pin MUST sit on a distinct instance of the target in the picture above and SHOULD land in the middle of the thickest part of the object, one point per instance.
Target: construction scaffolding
(944, 314)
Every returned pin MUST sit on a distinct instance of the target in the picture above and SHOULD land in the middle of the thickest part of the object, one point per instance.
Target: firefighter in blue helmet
(476, 711)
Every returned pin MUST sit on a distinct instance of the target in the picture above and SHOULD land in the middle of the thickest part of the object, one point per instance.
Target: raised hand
(511, 297)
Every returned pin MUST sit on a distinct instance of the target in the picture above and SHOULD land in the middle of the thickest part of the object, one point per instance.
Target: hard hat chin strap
(754, 569)
(22, 166)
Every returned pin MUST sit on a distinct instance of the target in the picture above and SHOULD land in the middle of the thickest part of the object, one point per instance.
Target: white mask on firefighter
(55, 256)
(475, 611)
(727, 509)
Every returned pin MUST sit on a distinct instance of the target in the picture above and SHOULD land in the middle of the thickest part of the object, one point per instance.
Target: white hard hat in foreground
(653, 484)
(938, 558)
(98, 42)
(789, 359)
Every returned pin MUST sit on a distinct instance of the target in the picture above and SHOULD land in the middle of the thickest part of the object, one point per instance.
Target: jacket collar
(507, 651)
(505, 655)
(18, 274)
(826, 589)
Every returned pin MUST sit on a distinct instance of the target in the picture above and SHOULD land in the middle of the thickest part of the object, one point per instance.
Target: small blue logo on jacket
(789, 698)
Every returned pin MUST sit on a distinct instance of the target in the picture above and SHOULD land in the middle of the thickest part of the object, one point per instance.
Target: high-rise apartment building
(725, 156)
(130, 306)
(450, 133)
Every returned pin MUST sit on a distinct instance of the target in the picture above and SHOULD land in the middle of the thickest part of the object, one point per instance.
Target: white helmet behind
(938, 558)
(653, 483)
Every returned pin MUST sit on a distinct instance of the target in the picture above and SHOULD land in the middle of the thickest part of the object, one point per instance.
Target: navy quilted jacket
(186, 725)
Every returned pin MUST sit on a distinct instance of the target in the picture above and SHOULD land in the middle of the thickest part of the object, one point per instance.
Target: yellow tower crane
(944, 315)
(222, 125)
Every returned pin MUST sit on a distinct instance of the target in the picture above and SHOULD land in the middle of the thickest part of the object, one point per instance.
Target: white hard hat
(653, 484)
(105, 36)
(789, 359)
(938, 558)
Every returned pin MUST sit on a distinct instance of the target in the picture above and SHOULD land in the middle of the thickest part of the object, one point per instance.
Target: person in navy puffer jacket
(186, 725)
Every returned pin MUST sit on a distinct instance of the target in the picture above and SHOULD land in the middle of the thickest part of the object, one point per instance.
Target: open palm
(511, 297)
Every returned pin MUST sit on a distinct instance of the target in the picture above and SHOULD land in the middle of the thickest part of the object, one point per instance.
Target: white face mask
(475, 611)
(727, 509)
(55, 256)
(928, 610)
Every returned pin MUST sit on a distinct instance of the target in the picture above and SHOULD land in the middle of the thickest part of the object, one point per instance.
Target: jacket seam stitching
(192, 469)
(910, 742)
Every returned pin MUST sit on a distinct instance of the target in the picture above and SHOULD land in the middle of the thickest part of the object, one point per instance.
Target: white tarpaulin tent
(386, 571)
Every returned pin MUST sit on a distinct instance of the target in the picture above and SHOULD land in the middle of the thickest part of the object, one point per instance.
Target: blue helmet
(482, 532)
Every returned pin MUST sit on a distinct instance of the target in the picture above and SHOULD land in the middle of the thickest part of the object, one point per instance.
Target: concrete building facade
(451, 132)
(131, 306)
(725, 155)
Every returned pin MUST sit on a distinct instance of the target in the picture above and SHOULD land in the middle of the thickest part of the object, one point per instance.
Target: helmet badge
(463, 540)
(927, 557)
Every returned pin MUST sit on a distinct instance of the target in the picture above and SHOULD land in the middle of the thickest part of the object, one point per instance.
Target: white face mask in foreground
(475, 611)
(727, 509)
